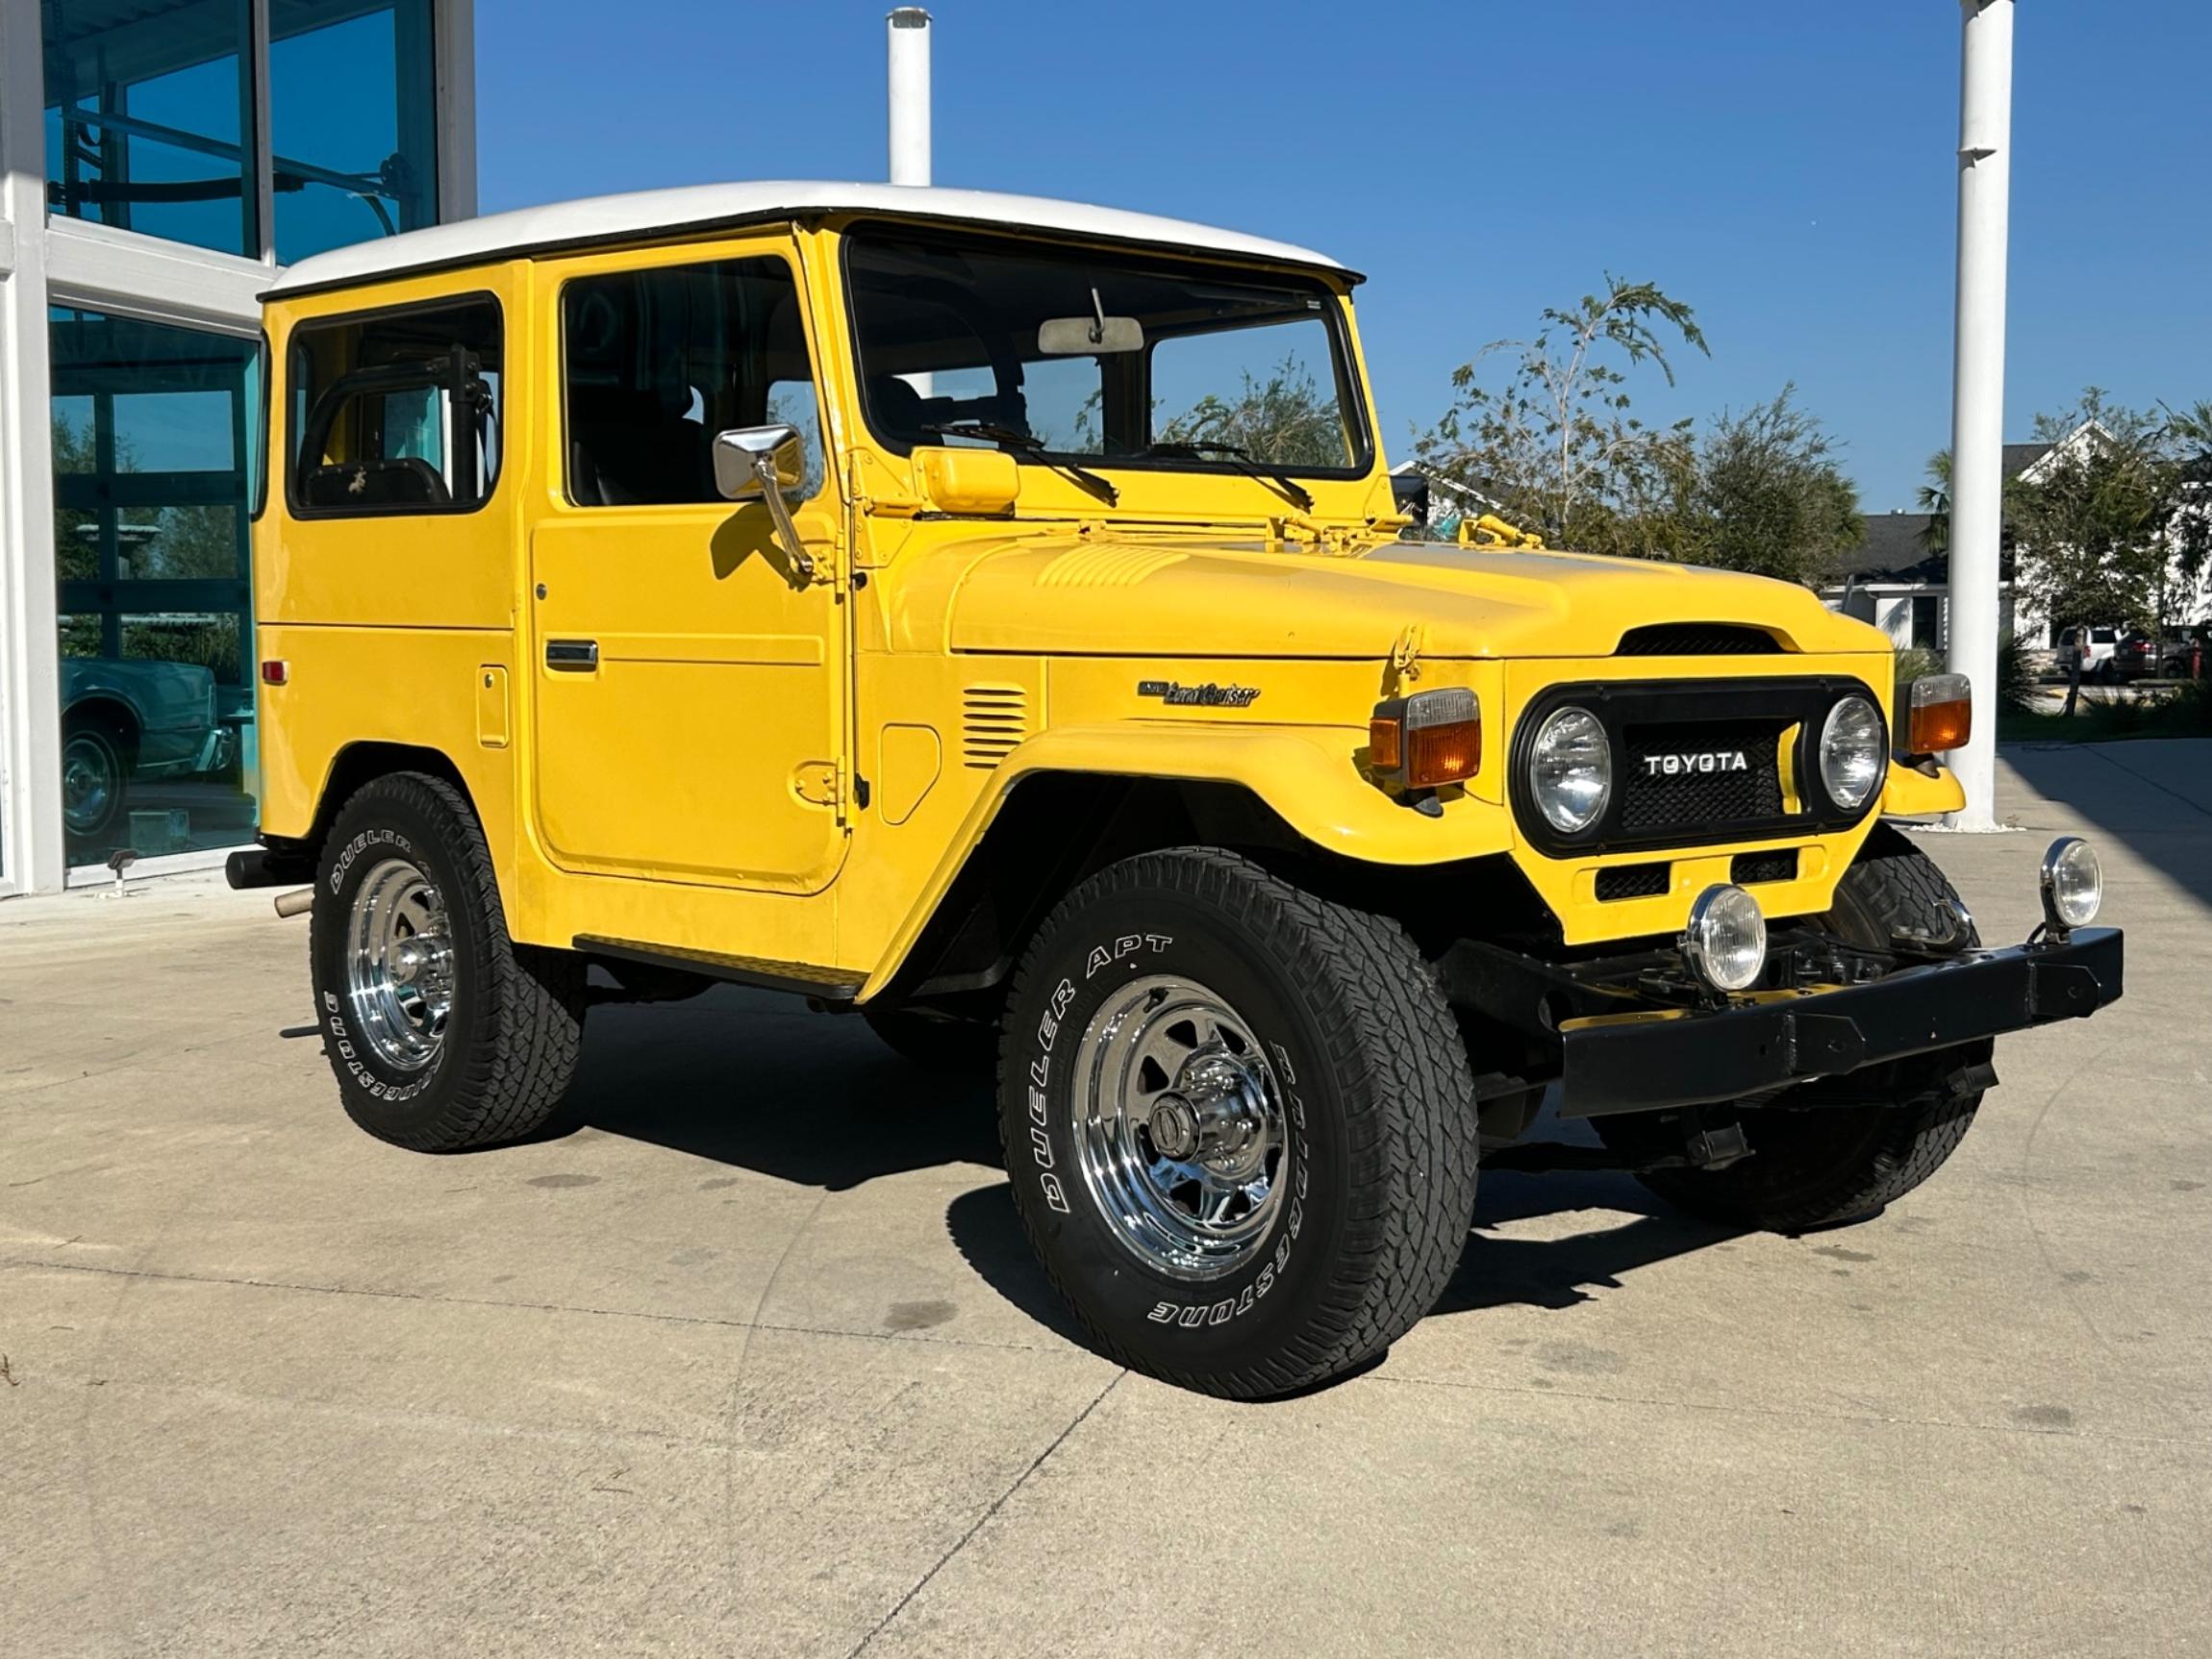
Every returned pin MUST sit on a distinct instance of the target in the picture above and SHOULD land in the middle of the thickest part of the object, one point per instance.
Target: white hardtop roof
(640, 214)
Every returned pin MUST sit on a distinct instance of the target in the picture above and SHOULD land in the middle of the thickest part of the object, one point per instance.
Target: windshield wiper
(1025, 444)
(1292, 490)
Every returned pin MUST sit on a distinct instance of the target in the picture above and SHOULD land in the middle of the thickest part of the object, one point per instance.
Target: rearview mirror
(754, 463)
(747, 457)
(1089, 335)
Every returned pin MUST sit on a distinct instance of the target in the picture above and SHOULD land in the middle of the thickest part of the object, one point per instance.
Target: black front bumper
(1643, 1061)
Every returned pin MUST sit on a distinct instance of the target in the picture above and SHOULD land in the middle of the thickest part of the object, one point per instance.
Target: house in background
(1898, 579)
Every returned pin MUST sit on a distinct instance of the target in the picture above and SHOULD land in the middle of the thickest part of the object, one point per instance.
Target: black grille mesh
(1698, 640)
(1694, 799)
(1776, 864)
(1633, 881)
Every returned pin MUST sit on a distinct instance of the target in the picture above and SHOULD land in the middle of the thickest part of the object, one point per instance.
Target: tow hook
(1716, 1149)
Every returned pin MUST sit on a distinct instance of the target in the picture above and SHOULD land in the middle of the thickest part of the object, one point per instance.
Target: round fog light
(1725, 943)
(2072, 885)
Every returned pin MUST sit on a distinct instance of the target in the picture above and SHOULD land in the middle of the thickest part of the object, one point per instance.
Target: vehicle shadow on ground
(751, 1081)
(1559, 1273)
(1493, 1272)
(2151, 796)
(754, 1081)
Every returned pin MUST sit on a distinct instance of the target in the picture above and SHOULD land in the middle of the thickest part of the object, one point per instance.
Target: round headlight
(1725, 943)
(1571, 769)
(1851, 759)
(2072, 885)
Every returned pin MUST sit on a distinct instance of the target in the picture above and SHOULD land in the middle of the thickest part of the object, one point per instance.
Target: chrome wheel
(91, 778)
(399, 965)
(1179, 1128)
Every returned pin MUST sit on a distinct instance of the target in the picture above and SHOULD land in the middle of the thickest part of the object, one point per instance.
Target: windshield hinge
(1405, 656)
(1490, 531)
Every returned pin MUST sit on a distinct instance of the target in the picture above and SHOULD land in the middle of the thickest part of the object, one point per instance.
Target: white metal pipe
(908, 28)
(1978, 388)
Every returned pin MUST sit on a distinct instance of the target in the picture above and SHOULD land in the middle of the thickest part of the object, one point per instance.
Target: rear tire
(1824, 1165)
(1328, 1203)
(443, 1034)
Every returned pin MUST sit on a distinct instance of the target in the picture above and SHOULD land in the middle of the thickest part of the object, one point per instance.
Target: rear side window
(396, 411)
(2102, 635)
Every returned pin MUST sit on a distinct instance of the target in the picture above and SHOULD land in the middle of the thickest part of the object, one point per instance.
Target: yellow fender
(1912, 794)
(1304, 775)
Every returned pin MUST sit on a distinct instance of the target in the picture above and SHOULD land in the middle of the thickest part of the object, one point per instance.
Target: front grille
(1696, 640)
(1775, 863)
(1633, 881)
(1696, 761)
(1683, 775)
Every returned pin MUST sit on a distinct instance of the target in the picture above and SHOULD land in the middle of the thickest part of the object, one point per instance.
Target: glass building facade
(159, 160)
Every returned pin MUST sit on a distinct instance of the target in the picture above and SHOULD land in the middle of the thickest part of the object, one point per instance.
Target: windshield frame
(1350, 386)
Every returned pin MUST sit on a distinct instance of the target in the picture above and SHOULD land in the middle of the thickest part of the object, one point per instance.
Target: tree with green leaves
(1935, 502)
(2188, 435)
(1761, 492)
(1285, 420)
(2093, 528)
(1556, 445)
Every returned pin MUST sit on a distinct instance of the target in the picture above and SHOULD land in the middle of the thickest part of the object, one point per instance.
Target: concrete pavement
(755, 1361)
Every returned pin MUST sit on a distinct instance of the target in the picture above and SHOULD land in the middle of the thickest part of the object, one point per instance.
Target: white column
(456, 58)
(29, 648)
(1978, 388)
(908, 28)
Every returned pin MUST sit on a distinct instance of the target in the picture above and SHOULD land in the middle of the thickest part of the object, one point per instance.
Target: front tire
(1818, 1167)
(444, 1033)
(1239, 1122)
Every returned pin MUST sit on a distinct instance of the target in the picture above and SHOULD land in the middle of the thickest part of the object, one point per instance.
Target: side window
(655, 362)
(395, 412)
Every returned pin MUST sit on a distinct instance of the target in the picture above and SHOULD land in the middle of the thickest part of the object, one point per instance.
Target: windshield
(1130, 360)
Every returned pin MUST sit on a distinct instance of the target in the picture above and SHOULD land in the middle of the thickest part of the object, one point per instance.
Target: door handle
(574, 656)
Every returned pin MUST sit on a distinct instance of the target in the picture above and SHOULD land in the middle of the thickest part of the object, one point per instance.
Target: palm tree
(1935, 502)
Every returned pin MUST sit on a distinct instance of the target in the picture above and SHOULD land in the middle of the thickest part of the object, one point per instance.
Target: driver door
(689, 678)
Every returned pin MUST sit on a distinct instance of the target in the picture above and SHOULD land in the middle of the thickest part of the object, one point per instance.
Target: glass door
(153, 428)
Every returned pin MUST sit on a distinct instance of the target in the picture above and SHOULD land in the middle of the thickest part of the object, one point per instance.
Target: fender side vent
(1633, 881)
(992, 720)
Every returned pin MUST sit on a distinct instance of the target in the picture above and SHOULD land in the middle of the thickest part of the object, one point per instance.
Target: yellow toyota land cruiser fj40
(916, 600)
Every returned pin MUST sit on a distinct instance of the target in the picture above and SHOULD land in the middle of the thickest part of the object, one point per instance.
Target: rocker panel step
(799, 978)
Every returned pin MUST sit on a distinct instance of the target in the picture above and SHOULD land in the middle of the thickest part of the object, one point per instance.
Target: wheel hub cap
(1181, 1136)
(399, 966)
(87, 783)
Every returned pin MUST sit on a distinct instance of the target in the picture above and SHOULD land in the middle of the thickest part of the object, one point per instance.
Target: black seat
(406, 481)
(628, 446)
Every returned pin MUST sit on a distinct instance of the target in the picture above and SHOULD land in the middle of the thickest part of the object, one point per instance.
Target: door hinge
(814, 782)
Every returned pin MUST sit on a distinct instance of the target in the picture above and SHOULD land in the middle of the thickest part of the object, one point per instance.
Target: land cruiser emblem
(1712, 761)
(1207, 696)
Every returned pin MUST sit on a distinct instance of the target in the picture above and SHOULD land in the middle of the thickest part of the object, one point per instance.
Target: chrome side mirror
(758, 462)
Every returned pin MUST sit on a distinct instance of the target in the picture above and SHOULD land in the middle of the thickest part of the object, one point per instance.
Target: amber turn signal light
(1941, 714)
(1426, 740)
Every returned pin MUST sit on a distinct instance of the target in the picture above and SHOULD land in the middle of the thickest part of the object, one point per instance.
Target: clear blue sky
(1785, 169)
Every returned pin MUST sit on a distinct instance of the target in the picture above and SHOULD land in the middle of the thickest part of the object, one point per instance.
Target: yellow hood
(1117, 596)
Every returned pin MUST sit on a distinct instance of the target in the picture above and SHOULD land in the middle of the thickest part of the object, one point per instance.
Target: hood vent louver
(992, 720)
(1698, 639)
